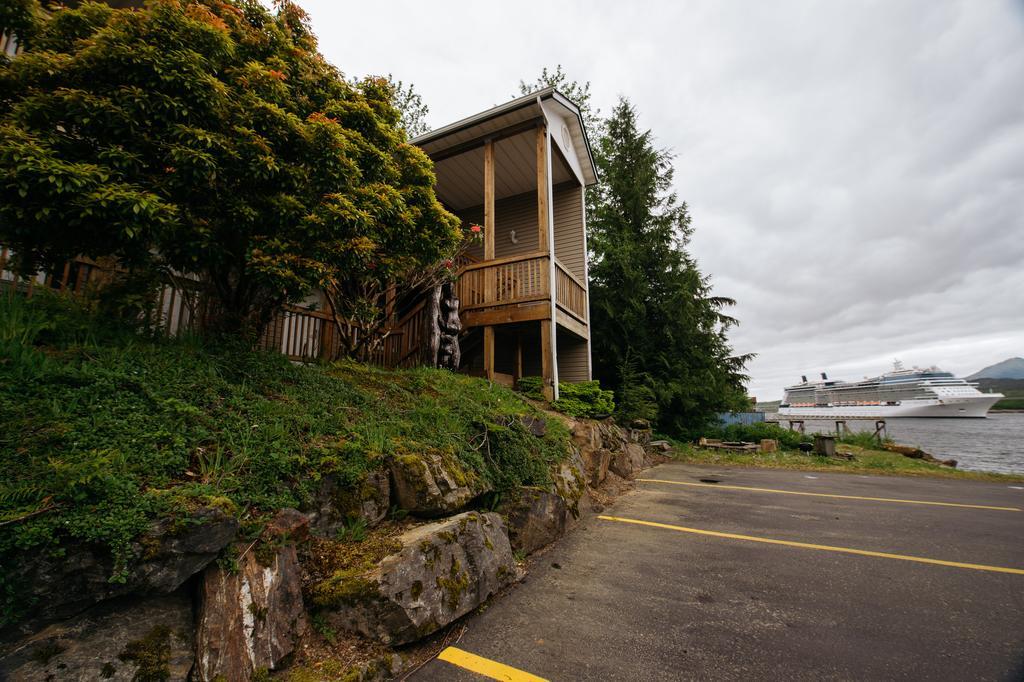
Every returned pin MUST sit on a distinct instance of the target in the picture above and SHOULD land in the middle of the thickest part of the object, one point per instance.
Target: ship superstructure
(900, 393)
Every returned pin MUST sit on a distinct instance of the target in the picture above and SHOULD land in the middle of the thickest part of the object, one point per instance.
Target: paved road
(623, 601)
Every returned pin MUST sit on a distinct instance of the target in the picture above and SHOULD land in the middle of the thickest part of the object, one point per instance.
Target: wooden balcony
(570, 292)
(518, 289)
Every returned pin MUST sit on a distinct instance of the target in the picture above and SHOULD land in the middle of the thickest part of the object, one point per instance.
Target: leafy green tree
(657, 332)
(20, 18)
(578, 93)
(411, 107)
(211, 137)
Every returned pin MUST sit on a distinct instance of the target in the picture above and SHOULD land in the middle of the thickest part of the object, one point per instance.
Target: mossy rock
(125, 639)
(335, 504)
(433, 484)
(444, 571)
(535, 518)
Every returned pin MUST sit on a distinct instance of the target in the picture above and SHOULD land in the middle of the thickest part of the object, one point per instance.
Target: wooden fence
(303, 333)
(299, 333)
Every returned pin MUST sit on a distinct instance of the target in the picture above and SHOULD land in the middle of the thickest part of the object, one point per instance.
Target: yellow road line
(841, 497)
(486, 667)
(827, 548)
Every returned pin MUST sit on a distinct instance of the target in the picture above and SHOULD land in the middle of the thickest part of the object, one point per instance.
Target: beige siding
(517, 213)
(569, 229)
(573, 360)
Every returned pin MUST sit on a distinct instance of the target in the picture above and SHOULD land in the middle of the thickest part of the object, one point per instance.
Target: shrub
(585, 399)
(758, 431)
(582, 399)
(532, 387)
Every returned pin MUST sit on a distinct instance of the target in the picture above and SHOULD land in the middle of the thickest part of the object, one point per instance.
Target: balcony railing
(570, 292)
(520, 279)
(504, 281)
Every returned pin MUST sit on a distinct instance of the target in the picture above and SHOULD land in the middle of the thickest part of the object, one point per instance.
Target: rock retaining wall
(205, 605)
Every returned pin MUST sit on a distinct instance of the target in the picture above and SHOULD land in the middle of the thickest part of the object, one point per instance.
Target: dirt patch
(613, 487)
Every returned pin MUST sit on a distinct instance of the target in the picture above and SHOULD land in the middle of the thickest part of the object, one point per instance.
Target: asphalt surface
(621, 601)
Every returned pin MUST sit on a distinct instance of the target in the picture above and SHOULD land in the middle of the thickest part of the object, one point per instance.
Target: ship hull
(967, 407)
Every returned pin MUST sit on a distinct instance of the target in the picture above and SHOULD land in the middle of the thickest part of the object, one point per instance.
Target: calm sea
(992, 444)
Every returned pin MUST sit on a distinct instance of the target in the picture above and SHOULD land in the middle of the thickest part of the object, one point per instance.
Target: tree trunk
(433, 331)
(449, 353)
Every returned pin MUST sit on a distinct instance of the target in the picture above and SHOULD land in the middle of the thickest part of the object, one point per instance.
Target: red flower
(474, 228)
(448, 264)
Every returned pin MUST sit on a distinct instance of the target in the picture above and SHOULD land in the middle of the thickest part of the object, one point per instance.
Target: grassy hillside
(104, 430)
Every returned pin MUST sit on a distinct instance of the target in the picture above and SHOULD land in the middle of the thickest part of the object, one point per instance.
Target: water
(992, 444)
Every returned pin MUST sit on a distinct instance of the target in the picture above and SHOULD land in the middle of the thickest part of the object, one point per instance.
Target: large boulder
(586, 435)
(536, 518)
(170, 556)
(596, 463)
(335, 505)
(433, 484)
(169, 553)
(612, 436)
(251, 618)
(569, 481)
(121, 640)
(444, 570)
(641, 436)
(628, 460)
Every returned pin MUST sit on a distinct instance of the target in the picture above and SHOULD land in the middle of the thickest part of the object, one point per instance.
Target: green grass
(104, 431)
(866, 461)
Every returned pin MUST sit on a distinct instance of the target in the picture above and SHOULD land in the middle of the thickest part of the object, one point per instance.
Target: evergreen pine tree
(654, 322)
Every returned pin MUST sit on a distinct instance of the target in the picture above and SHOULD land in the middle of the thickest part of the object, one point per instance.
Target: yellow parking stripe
(827, 548)
(841, 497)
(486, 667)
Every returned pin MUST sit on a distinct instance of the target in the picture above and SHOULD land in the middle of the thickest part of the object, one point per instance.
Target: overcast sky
(855, 170)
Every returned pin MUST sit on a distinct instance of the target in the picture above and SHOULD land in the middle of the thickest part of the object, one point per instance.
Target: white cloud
(855, 170)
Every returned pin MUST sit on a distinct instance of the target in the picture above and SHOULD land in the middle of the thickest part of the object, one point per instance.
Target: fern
(24, 494)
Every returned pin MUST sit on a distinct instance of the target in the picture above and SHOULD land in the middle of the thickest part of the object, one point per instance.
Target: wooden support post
(547, 360)
(490, 274)
(490, 287)
(489, 352)
(519, 356)
(489, 200)
(542, 189)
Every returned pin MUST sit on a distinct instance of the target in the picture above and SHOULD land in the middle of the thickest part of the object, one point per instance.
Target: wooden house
(520, 170)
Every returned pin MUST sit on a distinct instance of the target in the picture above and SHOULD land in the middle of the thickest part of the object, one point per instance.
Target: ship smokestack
(803, 378)
(824, 377)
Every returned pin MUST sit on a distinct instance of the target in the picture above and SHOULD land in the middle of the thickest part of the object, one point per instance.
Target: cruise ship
(900, 393)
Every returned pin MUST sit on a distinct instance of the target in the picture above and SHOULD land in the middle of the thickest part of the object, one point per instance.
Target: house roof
(563, 117)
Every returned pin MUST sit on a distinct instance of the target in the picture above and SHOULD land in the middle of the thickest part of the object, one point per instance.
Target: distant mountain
(1013, 368)
(1011, 388)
